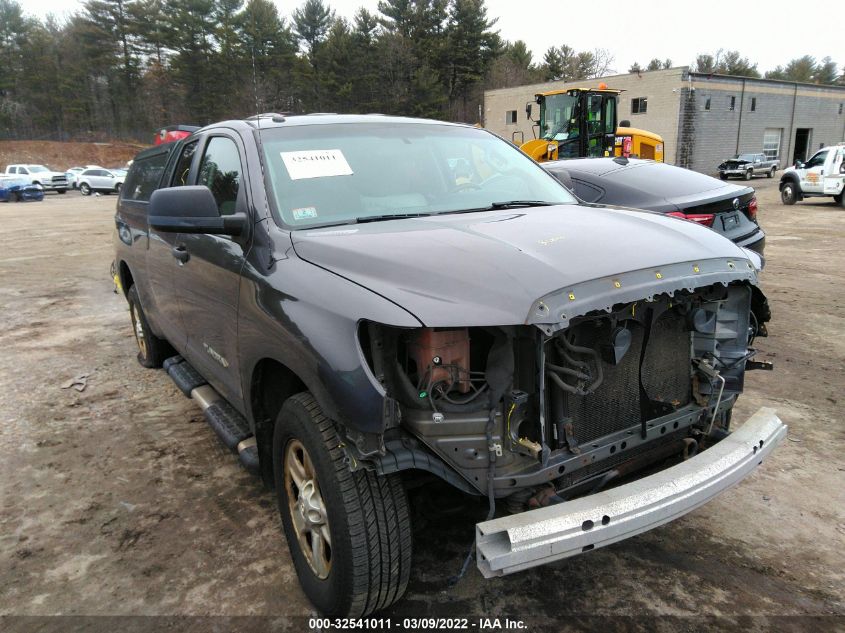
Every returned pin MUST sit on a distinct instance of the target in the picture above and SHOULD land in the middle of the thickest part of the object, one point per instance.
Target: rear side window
(144, 177)
(587, 192)
(220, 171)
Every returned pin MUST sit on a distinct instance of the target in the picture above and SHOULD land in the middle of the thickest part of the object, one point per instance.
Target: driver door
(208, 276)
(812, 174)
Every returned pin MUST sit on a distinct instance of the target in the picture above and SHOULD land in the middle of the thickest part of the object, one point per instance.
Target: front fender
(306, 318)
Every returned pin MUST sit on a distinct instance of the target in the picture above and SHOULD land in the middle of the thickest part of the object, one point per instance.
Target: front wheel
(723, 176)
(85, 189)
(152, 351)
(787, 193)
(60, 191)
(839, 198)
(749, 174)
(349, 533)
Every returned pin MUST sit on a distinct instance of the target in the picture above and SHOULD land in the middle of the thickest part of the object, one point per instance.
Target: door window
(817, 160)
(143, 177)
(183, 165)
(220, 171)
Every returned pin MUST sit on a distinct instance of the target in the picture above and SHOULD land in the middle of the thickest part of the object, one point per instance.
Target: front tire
(349, 533)
(749, 174)
(723, 176)
(85, 189)
(152, 350)
(787, 193)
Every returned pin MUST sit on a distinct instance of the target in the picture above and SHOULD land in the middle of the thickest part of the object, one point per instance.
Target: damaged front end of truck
(556, 419)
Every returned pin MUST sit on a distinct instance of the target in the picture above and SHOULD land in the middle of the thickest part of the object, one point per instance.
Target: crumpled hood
(488, 268)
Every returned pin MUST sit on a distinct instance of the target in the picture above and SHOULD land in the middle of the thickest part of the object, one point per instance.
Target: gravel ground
(119, 501)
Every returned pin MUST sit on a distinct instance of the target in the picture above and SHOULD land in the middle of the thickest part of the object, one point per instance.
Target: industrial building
(703, 118)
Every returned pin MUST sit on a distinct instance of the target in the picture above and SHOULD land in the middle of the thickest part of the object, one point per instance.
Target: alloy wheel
(307, 509)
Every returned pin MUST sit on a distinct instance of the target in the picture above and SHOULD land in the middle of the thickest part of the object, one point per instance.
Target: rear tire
(787, 193)
(365, 516)
(840, 198)
(152, 350)
(61, 190)
(771, 173)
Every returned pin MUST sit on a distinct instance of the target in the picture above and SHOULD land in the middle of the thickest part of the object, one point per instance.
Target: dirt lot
(60, 156)
(119, 500)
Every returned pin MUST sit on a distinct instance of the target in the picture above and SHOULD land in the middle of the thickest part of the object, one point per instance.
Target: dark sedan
(728, 209)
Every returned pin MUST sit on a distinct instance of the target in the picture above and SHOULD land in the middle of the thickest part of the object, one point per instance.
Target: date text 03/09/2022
(416, 624)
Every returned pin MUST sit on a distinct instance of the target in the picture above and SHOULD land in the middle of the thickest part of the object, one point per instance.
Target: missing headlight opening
(575, 410)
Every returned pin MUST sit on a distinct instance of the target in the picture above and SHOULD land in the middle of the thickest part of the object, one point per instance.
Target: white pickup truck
(822, 175)
(40, 175)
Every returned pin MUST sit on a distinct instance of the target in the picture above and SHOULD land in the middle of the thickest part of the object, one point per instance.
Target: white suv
(822, 175)
(99, 179)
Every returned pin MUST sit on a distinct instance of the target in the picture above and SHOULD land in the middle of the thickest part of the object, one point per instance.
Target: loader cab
(574, 123)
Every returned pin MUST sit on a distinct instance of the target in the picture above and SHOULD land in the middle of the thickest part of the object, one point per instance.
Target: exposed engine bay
(537, 416)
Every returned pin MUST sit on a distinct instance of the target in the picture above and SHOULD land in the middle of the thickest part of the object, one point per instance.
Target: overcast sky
(639, 30)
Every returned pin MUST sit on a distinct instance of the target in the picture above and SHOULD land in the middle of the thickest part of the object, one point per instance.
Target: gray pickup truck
(361, 304)
(748, 165)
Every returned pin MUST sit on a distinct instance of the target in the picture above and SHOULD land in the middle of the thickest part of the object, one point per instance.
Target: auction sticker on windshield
(316, 164)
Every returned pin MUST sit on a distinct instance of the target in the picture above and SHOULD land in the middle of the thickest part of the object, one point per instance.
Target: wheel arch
(125, 276)
(788, 177)
(271, 383)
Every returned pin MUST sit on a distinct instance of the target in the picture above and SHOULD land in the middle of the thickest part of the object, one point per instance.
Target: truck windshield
(749, 157)
(558, 117)
(338, 173)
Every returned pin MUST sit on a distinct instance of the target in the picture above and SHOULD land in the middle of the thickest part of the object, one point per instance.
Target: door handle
(181, 253)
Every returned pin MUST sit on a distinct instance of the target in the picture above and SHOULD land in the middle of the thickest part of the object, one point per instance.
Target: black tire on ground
(367, 565)
(85, 189)
(117, 187)
(152, 351)
(61, 190)
(787, 193)
(771, 173)
(840, 199)
(749, 174)
(723, 176)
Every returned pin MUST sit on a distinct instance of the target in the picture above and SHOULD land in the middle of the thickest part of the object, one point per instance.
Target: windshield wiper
(515, 204)
(390, 216)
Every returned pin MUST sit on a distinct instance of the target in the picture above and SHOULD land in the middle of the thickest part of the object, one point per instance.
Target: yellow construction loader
(578, 123)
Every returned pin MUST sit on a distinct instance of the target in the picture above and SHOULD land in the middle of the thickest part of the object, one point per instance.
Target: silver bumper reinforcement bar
(521, 541)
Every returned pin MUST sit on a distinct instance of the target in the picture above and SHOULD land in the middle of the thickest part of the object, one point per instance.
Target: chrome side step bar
(229, 425)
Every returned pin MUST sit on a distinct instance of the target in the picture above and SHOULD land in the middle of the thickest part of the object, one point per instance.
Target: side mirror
(191, 209)
(798, 164)
(528, 108)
